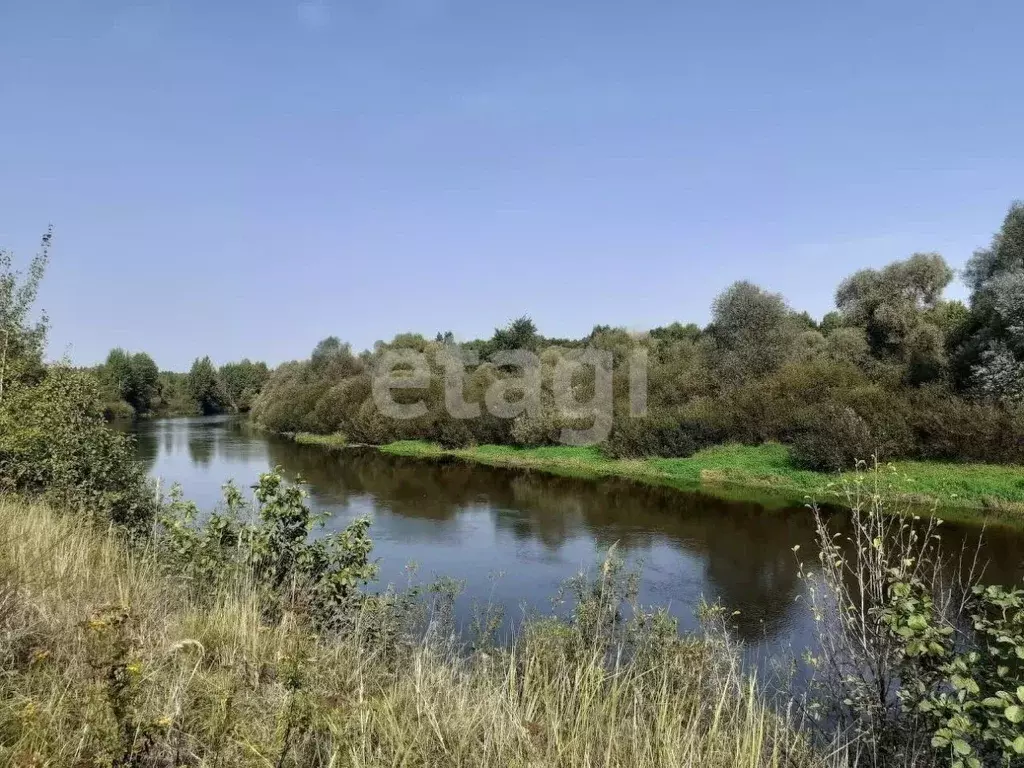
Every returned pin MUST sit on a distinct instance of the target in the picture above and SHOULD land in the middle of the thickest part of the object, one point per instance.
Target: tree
(521, 333)
(899, 307)
(133, 378)
(242, 382)
(145, 381)
(333, 358)
(995, 349)
(204, 387)
(676, 332)
(21, 341)
(753, 330)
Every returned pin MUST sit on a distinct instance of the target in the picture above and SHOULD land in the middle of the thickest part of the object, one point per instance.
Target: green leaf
(1018, 745)
(961, 747)
(1015, 713)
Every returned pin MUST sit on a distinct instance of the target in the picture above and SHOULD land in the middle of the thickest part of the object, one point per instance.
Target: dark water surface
(514, 536)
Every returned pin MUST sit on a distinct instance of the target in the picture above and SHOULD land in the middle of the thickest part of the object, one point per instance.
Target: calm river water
(514, 536)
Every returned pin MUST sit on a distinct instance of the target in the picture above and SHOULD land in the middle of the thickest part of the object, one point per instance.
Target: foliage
(639, 438)
(241, 382)
(54, 441)
(952, 429)
(974, 699)
(904, 372)
(994, 351)
(204, 387)
(753, 331)
(891, 304)
(21, 340)
(131, 378)
(53, 438)
(108, 661)
(832, 439)
(320, 577)
(919, 664)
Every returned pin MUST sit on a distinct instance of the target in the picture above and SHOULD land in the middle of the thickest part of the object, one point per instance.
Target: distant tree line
(896, 370)
(132, 385)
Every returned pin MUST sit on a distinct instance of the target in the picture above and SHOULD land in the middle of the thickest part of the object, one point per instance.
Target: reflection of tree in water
(743, 552)
(147, 445)
(168, 431)
(406, 487)
(202, 446)
(747, 551)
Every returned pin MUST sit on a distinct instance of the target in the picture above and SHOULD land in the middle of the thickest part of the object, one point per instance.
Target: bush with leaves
(918, 665)
(271, 541)
(950, 429)
(975, 700)
(54, 441)
(640, 438)
(833, 438)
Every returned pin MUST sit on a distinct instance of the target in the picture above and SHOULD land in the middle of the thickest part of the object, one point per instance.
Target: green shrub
(118, 410)
(888, 415)
(973, 696)
(918, 664)
(54, 441)
(640, 438)
(832, 439)
(951, 429)
(319, 578)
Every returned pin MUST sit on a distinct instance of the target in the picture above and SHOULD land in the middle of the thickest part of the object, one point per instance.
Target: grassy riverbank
(763, 472)
(109, 659)
(333, 442)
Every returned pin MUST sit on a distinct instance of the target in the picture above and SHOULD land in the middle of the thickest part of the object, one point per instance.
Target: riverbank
(111, 659)
(766, 474)
(332, 442)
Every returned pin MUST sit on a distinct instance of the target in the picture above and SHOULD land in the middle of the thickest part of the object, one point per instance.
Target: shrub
(535, 430)
(54, 441)
(639, 438)
(320, 578)
(118, 410)
(918, 664)
(832, 438)
(951, 429)
(888, 415)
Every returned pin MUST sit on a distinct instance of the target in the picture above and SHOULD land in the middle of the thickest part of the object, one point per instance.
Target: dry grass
(106, 660)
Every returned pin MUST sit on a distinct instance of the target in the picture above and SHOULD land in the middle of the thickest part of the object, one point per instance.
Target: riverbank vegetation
(770, 467)
(111, 659)
(896, 371)
(132, 386)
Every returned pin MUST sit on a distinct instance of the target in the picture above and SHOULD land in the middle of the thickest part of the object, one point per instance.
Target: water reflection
(468, 521)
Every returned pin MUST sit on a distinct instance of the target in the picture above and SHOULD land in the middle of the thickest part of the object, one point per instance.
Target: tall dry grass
(106, 660)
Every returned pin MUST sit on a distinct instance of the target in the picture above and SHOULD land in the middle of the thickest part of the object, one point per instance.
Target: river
(514, 536)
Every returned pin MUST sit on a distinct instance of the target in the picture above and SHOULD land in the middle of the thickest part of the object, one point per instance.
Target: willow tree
(900, 307)
(995, 276)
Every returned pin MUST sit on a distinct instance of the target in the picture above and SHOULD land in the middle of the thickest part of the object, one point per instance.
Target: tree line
(132, 385)
(895, 370)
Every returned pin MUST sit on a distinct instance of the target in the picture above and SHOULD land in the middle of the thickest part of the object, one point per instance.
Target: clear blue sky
(243, 178)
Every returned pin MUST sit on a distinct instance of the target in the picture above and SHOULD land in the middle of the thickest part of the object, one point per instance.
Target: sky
(242, 178)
